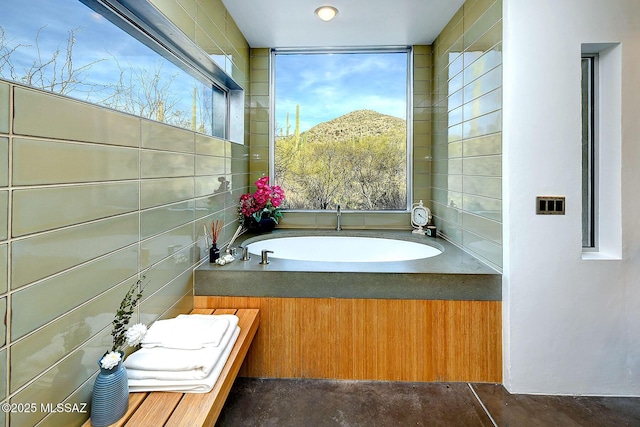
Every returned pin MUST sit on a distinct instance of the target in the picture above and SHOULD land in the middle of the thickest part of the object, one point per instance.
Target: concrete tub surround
(452, 275)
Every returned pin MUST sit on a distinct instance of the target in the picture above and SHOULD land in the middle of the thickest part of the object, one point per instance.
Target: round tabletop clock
(420, 216)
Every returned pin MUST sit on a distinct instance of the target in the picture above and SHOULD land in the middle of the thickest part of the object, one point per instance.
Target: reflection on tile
(4, 266)
(165, 244)
(37, 257)
(3, 325)
(169, 269)
(3, 374)
(209, 145)
(439, 180)
(152, 307)
(81, 396)
(48, 345)
(483, 227)
(454, 182)
(156, 192)
(483, 206)
(207, 185)
(158, 164)
(4, 214)
(212, 204)
(485, 165)
(4, 107)
(483, 145)
(158, 220)
(483, 186)
(207, 165)
(4, 162)
(483, 24)
(43, 162)
(72, 205)
(386, 220)
(456, 83)
(298, 220)
(73, 120)
(41, 303)
(483, 125)
(61, 380)
(165, 137)
(490, 40)
(488, 103)
(482, 84)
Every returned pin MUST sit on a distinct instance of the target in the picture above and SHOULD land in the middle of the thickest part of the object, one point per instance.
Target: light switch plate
(550, 205)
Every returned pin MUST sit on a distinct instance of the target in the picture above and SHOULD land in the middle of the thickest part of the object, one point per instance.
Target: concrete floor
(317, 403)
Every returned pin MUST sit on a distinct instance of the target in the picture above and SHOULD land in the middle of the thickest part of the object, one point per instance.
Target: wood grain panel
(372, 339)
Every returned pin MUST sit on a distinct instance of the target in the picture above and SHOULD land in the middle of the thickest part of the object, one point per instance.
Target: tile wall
(89, 199)
(467, 130)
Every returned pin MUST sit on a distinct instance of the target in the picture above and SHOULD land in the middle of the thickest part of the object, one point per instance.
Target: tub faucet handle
(245, 253)
(265, 256)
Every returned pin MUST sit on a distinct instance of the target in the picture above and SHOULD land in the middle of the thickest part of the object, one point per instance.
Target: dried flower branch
(124, 313)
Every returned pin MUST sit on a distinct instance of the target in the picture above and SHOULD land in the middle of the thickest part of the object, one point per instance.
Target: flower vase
(110, 399)
(265, 225)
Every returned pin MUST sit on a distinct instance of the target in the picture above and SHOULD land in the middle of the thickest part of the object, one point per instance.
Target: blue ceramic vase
(110, 399)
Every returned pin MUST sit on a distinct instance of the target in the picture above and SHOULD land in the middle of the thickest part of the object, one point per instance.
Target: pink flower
(263, 203)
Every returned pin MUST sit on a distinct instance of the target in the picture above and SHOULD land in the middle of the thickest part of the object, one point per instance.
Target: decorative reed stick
(235, 236)
(206, 235)
(216, 228)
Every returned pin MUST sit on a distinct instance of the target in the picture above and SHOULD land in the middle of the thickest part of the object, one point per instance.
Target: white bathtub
(343, 249)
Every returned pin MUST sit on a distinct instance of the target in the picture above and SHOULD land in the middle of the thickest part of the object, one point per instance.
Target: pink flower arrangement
(263, 203)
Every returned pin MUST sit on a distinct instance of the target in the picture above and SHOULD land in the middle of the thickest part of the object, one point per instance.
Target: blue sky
(96, 39)
(330, 85)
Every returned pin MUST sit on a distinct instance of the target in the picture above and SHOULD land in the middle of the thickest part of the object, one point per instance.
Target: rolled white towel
(192, 331)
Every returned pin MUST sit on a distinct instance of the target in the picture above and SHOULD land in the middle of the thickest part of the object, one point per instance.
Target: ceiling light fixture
(326, 13)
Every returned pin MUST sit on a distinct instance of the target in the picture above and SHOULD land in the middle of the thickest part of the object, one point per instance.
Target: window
(589, 67)
(61, 47)
(341, 133)
(601, 151)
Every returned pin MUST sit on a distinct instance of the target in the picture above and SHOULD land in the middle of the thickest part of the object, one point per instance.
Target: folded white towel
(199, 361)
(204, 385)
(191, 331)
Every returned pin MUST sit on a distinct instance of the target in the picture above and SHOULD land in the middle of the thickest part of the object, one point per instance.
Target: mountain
(355, 124)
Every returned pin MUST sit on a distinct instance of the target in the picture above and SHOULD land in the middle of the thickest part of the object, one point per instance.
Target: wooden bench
(193, 409)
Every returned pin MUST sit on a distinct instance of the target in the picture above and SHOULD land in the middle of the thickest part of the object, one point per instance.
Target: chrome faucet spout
(338, 216)
(265, 256)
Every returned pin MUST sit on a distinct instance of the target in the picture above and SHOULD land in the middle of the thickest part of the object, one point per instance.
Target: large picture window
(340, 133)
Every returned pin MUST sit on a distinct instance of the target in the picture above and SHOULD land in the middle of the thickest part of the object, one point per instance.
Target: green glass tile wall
(92, 198)
(467, 130)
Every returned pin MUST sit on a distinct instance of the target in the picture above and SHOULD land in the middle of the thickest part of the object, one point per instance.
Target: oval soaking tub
(343, 249)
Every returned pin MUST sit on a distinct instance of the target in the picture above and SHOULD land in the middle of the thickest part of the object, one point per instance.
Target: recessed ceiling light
(326, 13)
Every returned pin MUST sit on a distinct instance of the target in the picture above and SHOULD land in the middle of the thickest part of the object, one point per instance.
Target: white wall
(571, 325)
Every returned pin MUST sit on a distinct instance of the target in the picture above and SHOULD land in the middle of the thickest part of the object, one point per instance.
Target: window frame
(408, 50)
(589, 152)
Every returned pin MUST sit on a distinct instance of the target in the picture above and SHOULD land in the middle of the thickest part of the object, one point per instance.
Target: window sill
(590, 256)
